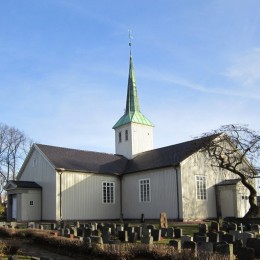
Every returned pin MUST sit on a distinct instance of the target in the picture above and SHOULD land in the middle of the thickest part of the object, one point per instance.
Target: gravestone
(164, 232)
(106, 236)
(53, 226)
(123, 236)
(213, 237)
(186, 238)
(88, 232)
(236, 245)
(203, 228)
(232, 226)
(96, 233)
(163, 220)
(225, 249)
(119, 227)
(235, 233)
(244, 236)
(151, 227)
(80, 232)
(228, 238)
(87, 242)
(214, 226)
(147, 240)
(113, 228)
(170, 233)
(255, 228)
(205, 246)
(201, 239)
(205, 250)
(221, 233)
(126, 225)
(30, 225)
(176, 244)
(156, 234)
(77, 224)
(132, 237)
(96, 240)
(191, 246)
(130, 230)
(66, 232)
(138, 230)
(254, 243)
(245, 253)
(177, 232)
(225, 226)
(145, 230)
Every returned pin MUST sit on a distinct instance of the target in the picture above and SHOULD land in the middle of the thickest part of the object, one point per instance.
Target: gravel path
(35, 251)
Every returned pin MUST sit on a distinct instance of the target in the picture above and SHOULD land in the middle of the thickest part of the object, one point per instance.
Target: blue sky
(64, 67)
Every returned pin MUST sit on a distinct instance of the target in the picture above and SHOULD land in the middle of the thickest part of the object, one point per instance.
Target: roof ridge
(75, 149)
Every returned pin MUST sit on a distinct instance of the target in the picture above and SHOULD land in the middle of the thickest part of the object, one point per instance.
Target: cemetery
(98, 240)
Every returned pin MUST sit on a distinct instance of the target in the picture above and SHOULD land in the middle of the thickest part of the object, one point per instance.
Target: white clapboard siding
(163, 194)
(82, 196)
(39, 170)
(190, 168)
(31, 212)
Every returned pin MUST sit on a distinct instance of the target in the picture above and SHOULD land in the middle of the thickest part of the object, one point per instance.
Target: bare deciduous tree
(14, 145)
(236, 149)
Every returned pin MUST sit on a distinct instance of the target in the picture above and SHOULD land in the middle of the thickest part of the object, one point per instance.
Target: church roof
(87, 161)
(79, 160)
(132, 111)
(166, 156)
(22, 185)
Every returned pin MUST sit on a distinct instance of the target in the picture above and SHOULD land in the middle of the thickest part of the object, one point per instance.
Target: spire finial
(130, 36)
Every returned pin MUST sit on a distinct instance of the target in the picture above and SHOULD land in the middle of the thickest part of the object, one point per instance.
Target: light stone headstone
(163, 220)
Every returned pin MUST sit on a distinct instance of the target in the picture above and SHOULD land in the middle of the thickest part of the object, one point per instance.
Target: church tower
(133, 131)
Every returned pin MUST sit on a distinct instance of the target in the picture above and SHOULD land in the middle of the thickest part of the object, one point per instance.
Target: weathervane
(130, 36)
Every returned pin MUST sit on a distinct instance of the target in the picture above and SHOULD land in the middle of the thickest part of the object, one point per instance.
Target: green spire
(132, 111)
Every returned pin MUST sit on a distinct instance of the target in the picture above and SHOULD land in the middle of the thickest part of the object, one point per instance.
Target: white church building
(57, 183)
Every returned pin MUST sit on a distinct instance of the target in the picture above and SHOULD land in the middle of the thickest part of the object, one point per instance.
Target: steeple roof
(132, 110)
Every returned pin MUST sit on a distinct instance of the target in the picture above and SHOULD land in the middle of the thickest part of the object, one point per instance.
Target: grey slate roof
(166, 156)
(78, 160)
(228, 182)
(26, 184)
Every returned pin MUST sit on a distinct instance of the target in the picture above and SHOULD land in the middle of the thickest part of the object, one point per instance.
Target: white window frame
(31, 203)
(120, 137)
(108, 196)
(144, 193)
(201, 187)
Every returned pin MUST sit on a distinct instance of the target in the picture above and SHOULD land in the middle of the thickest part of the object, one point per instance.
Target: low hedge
(79, 250)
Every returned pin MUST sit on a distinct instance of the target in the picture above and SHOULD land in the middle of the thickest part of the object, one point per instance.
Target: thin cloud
(173, 79)
(246, 69)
